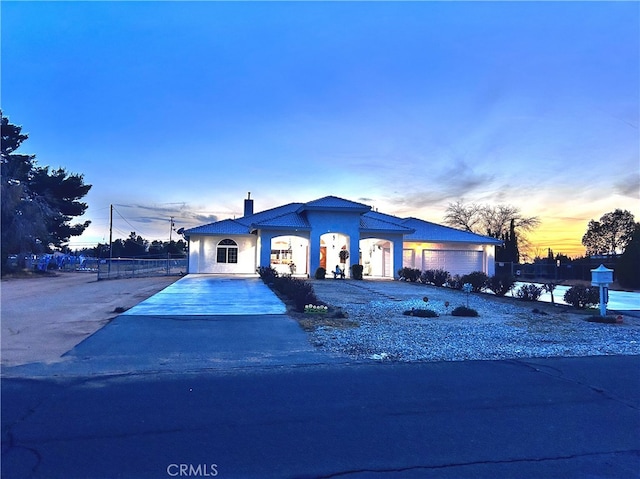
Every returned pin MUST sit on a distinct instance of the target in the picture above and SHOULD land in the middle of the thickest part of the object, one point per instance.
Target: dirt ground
(43, 317)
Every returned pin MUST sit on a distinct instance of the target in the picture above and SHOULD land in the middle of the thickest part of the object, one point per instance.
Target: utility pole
(110, 239)
(169, 246)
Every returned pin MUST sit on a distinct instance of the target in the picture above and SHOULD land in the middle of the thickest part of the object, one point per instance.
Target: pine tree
(37, 205)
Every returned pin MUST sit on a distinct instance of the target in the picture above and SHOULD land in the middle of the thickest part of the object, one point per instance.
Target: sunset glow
(178, 109)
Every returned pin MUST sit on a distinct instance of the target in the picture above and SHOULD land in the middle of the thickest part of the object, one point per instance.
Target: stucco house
(301, 237)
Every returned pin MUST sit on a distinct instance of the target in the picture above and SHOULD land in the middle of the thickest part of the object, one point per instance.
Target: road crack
(472, 463)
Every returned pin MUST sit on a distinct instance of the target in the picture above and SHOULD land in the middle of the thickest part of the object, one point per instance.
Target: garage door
(454, 261)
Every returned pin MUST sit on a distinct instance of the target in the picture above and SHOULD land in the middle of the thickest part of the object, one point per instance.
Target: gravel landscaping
(505, 328)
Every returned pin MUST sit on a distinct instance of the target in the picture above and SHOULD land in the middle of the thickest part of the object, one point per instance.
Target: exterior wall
(345, 223)
(202, 255)
(414, 253)
(490, 259)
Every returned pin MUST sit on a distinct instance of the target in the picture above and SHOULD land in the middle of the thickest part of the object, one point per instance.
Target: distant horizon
(179, 109)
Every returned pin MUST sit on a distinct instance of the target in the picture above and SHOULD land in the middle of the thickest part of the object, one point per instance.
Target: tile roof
(269, 214)
(224, 227)
(334, 203)
(373, 222)
(284, 221)
(292, 217)
(433, 232)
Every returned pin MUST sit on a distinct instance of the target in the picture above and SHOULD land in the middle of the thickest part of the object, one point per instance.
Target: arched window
(227, 251)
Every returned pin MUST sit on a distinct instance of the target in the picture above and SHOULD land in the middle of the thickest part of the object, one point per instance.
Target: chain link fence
(131, 268)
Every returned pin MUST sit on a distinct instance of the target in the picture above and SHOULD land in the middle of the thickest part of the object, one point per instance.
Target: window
(227, 251)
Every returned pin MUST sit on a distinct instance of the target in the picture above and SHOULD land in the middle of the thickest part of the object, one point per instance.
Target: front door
(323, 257)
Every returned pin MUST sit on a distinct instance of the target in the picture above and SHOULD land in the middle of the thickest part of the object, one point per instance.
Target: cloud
(152, 220)
(450, 183)
(629, 186)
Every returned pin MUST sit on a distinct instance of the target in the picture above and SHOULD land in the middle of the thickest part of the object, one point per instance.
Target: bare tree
(504, 222)
(459, 215)
(487, 219)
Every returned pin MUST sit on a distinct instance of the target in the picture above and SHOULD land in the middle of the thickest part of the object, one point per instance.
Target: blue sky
(180, 108)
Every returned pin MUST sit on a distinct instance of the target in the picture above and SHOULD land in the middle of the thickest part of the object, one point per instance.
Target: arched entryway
(334, 251)
(377, 257)
(289, 254)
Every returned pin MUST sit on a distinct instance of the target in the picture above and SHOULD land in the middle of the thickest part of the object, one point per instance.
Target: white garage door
(453, 261)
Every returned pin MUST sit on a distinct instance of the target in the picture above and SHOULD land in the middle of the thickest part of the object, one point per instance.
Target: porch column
(265, 248)
(398, 246)
(354, 251)
(314, 253)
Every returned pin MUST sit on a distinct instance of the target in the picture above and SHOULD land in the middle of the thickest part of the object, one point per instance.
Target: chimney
(248, 205)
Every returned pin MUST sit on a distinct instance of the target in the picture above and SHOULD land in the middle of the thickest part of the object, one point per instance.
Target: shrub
(436, 277)
(421, 313)
(476, 279)
(267, 273)
(529, 292)
(464, 311)
(356, 271)
(297, 290)
(409, 274)
(320, 273)
(455, 282)
(582, 296)
(501, 284)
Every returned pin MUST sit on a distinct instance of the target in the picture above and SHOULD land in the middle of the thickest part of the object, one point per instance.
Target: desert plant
(582, 296)
(421, 313)
(464, 311)
(501, 284)
(409, 274)
(436, 277)
(477, 280)
(320, 273)
(529, 292)
(356, 271)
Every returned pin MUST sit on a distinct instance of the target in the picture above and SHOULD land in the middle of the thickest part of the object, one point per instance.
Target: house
(301, 237)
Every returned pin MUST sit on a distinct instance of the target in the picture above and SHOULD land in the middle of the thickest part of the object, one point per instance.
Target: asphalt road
(535, 418)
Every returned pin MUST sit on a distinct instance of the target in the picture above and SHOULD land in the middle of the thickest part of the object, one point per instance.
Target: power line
(127, 221)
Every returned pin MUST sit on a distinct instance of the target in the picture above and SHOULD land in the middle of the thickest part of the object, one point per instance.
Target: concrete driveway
(198, 322)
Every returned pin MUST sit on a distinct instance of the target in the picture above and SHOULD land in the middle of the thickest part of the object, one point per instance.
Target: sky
(181, 108)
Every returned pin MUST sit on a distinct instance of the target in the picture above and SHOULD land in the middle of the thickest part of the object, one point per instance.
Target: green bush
(356, 271)
(421, 313)
(455, 282)
(477, 280)
(501, 284)
(320, 273)
(267, 273)
(436, 277)
(297, 290)
(529, 292)
(464, 311)
(409, 274)
(582, 296)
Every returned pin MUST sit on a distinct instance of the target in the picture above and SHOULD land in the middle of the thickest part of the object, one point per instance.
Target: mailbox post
(602, 277)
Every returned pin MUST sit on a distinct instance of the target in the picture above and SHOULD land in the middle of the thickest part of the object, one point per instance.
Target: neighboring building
(301, 237)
